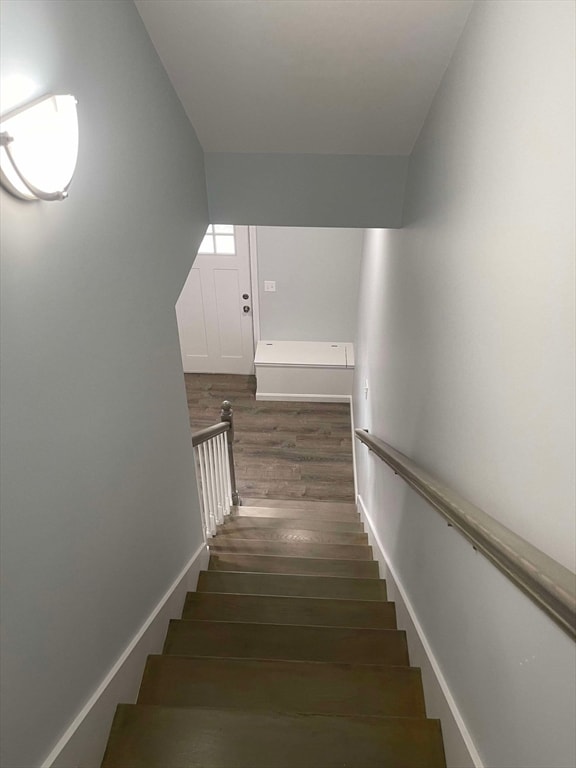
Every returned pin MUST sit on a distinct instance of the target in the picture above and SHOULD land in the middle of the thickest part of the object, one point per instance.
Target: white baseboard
(303, 398)
(458, 744)
(84, 741)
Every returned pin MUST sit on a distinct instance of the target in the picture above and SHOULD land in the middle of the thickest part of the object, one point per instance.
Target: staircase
(287, 656)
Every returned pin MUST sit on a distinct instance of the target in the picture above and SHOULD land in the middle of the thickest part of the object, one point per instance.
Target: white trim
(315, 366)
(355, 466)
(415, 632)
(254, 286)
(84, 740)
(303, 398)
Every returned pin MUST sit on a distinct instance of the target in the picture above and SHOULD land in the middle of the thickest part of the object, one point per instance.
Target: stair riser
(222, 543)
(289, 610)
(282, 686)
(293, 586)
(269, 641)
(296, 565)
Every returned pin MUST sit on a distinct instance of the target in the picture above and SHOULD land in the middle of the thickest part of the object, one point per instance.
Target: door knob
(246, 308)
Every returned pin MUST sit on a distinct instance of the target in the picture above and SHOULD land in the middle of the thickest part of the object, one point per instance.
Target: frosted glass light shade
(39, 148)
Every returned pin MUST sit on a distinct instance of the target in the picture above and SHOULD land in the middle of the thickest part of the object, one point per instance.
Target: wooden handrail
(548, 583)
(203, 435)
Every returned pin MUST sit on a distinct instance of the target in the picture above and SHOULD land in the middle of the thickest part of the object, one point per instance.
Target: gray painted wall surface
(466, 336)
(306, 190)
(99, 506)
(317, 272)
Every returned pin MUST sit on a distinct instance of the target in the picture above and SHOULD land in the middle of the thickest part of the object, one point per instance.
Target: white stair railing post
(227, 414)
(222, 460)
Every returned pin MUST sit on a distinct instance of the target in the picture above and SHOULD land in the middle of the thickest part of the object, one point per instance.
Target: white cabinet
(304, 370)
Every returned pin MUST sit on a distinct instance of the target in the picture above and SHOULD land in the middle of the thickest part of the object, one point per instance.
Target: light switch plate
(270, 285)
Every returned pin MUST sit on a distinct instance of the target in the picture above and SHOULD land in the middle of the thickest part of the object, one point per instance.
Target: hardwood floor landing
(283, 450)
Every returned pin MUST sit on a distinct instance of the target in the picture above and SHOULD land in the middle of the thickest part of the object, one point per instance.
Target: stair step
(208, 606)
(292, 585)
(153, 736)
(302, 513)
(276, 641)
(223, 543)
(255, 530)
(230, 561)
(283, 686)
(300, 504)
(309, 523)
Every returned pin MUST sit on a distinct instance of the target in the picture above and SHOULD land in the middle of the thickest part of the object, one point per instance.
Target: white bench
(318, 371)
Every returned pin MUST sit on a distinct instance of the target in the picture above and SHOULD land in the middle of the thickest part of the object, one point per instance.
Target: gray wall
(99, 505)
(466, 336)
(306, 190)
(317, 272)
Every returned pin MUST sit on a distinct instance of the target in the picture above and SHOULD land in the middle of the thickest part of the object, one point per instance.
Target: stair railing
(548, 583)
(214, 454)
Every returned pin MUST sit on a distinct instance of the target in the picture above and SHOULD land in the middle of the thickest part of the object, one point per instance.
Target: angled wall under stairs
(286, 656)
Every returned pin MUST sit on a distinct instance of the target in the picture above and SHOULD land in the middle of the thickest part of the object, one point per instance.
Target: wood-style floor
(283, 450)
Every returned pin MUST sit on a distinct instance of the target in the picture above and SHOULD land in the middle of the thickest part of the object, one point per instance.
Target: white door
(214, 310)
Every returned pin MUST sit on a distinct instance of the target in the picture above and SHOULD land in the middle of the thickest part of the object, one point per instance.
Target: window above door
(219, 239)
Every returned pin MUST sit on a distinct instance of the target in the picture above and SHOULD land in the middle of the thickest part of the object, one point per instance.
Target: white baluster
(214, 452)
(214, 483)
(222, 461)
(227, 472)
(203, 497)
(210, 489)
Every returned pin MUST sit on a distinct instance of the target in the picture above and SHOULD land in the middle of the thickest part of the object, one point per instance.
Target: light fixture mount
(39, 148)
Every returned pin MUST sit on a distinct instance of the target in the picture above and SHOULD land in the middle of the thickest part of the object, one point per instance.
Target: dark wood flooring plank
(283, 450)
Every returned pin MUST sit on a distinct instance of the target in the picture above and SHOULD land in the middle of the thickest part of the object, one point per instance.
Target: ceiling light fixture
(39, 148)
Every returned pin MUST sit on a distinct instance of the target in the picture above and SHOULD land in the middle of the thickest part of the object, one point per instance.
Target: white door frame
(254, 282)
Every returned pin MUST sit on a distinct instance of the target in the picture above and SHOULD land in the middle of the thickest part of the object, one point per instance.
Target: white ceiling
(311, 76)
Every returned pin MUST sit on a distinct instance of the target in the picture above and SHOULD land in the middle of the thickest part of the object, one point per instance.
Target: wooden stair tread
(289, 534)
(323, 513)
(286, 655)
(289, 610)
(153, 736)
(345, 506)
(308, 523)
(235, 561)
(276, 641)
(223, 543)
(295, 585)
(283, 686)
